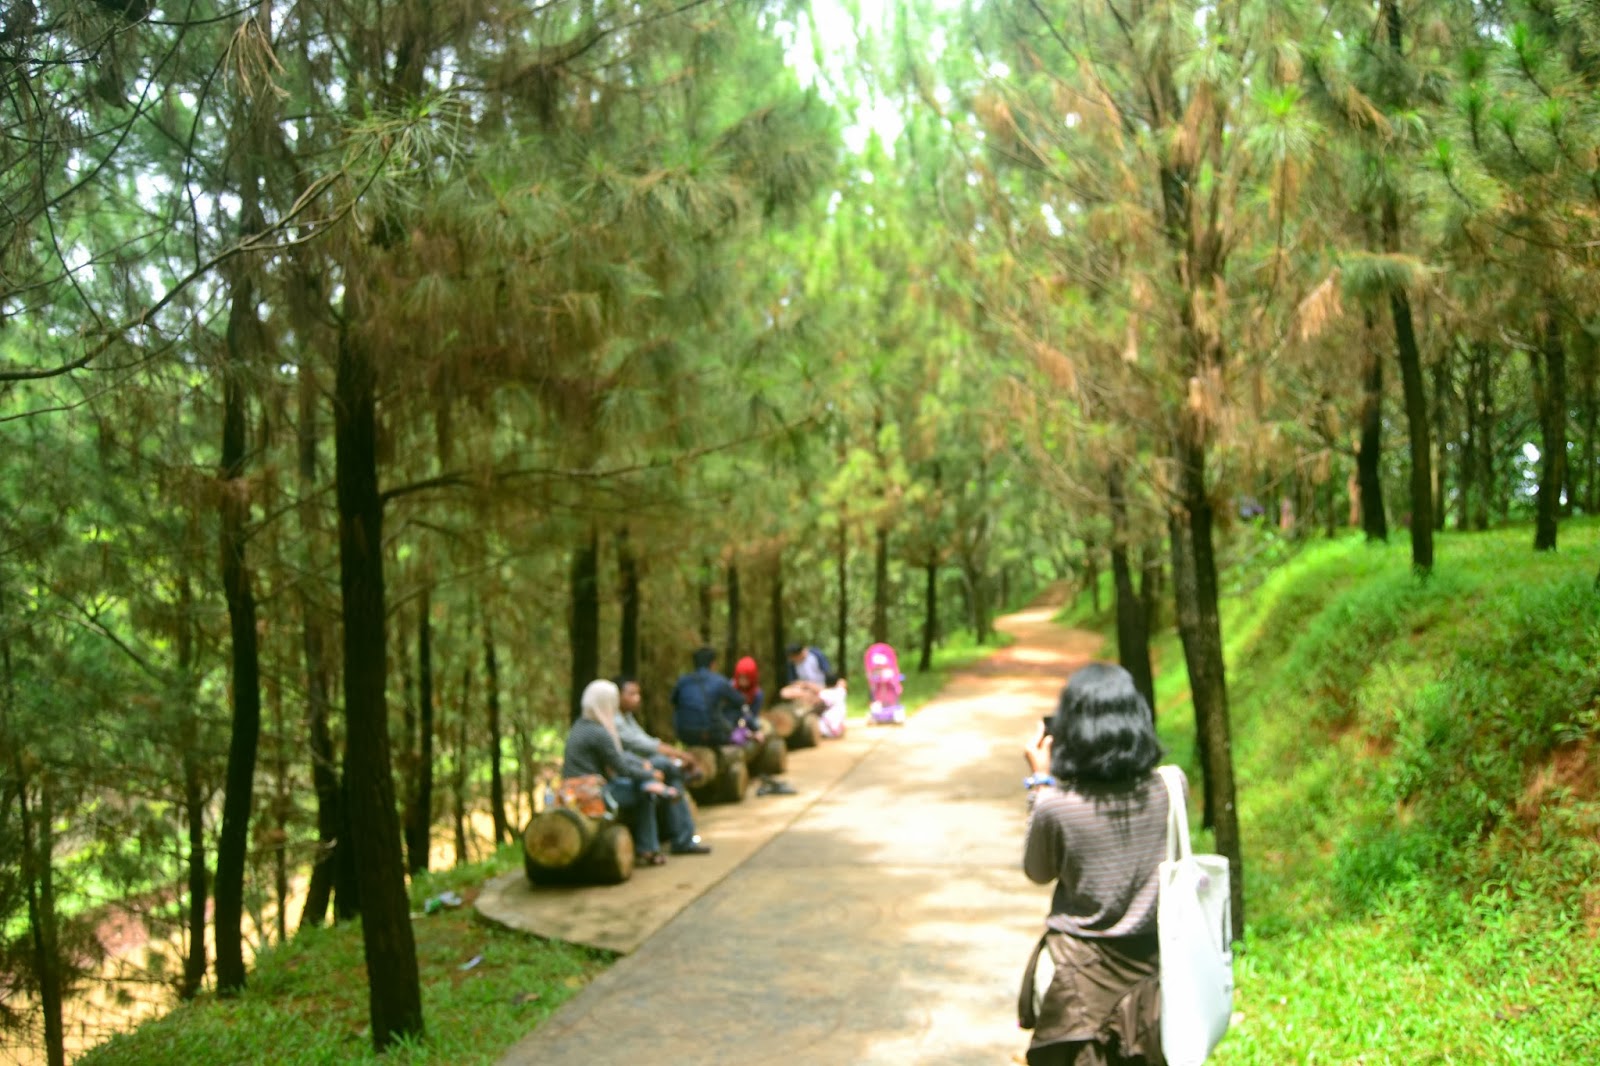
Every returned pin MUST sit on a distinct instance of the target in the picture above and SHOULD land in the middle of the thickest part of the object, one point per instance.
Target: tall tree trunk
(420, 824)
(1485, 456)
(1369, 455)
(1207, 679)
(1417, 424)
(194, 798)
(842, 564)
(458, 779)
(1186, 601)
(1091, 572)
(1133, 638)
(38, 878)
(880, 587)
(234, 840)
(1150, 586)
(930, 616)
(389, 947)
(1550, 398)
(1467, 464)
(281, 806)
(1442, 435)
(324, 760)
(497, 788)
(1415, 391)
(37, 872)
(628, 570)
(733, 618)
(704, 593)
(779, 642)
(583, 617)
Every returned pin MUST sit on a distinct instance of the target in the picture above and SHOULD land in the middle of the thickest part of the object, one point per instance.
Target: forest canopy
(374, 375)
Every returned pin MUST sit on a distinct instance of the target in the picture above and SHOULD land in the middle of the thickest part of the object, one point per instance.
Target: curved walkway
(886, 922)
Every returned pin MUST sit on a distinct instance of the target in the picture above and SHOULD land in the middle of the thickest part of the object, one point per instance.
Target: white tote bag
(1194, 921)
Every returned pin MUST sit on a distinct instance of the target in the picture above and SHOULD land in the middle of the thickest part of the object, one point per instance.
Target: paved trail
(888, 923)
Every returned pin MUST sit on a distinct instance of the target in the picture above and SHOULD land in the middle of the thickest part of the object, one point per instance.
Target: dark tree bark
(1412, 385)
(1150, 586)
(389, 947)
(37, 870)
(732, 655)
(38, 878)
(1202, 640)
(704, 592)
(234, 839)
(880, 587)
(497, 787)
(313, 645)
(583, 617)
(419, 822)
(842, 563)
(930, 616)
(1369, 455)
(1550, 398)
(1091, 573)
(1133, 638)
(458, 778)
(1441, 434)
(628, 569)
(194, 800)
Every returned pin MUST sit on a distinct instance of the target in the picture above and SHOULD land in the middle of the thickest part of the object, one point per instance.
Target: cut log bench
(562, 846)
(730, 768)
(798, 728)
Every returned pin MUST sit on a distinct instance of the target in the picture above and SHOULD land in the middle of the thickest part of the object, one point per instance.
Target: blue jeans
(638, 809)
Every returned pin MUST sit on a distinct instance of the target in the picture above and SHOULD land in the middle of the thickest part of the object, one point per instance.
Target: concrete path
(888, 922)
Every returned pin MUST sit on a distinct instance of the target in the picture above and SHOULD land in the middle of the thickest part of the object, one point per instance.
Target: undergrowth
(1418, 767)
(306, 1002)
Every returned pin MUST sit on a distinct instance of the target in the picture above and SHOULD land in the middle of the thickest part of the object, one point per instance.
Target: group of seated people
(646, 778)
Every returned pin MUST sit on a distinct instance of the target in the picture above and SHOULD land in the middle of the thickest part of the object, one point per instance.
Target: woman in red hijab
(747, 679)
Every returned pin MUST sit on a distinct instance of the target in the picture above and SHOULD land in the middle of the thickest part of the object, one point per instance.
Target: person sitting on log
(676, 766)
(594, 747)
(707, 709)
(808, 668)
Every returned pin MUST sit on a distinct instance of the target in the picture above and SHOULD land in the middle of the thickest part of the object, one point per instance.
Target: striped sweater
(1101, 844)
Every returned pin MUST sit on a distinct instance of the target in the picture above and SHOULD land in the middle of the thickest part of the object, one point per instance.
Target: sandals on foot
(649, 858)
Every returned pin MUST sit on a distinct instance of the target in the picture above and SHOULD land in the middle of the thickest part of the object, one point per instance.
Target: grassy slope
(1418, 771)
(306, 1002)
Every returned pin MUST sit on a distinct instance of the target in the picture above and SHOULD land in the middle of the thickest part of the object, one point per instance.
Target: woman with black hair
(1097, 827)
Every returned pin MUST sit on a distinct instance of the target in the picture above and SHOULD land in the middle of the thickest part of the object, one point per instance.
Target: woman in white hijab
(593, 747)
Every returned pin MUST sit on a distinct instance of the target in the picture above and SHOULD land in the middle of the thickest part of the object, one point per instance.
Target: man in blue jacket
(706, 708)
(705, 705)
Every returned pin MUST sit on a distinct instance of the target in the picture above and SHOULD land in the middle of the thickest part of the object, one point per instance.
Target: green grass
(1418, 769)
(307, 1003)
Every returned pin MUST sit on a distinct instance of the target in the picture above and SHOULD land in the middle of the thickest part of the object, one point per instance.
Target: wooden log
(771, 757)
(609, 860)
(605, 856)
(728, 775)
(734, 776)
(806, 733)
(781, 719)
(557, 837)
